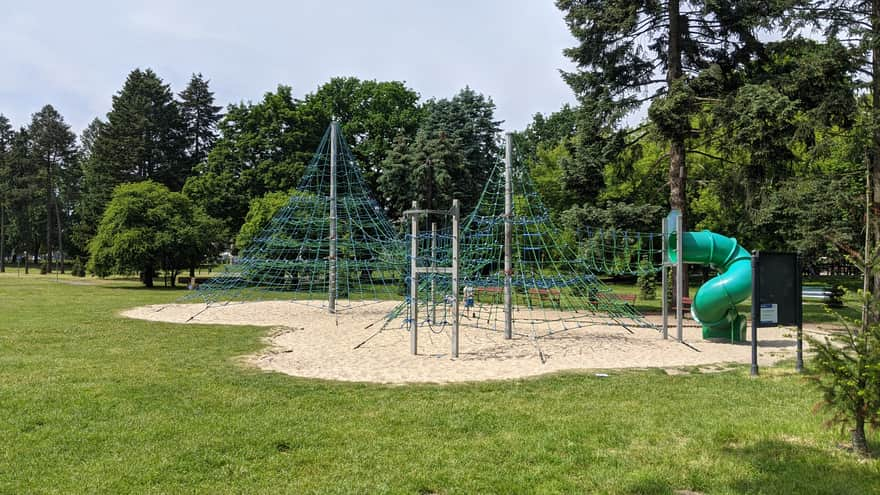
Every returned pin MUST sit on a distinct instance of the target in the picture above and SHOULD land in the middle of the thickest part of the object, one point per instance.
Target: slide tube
(714, 305)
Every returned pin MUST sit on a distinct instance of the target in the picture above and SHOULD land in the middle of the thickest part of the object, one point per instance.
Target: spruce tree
(200, 117)
(468, 120)
(93, 191)
(143, 137)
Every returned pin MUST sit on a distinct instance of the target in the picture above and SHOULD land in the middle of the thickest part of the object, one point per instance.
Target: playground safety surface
(306, 341)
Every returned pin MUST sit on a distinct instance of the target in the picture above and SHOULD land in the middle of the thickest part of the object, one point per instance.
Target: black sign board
(776, 298)
(778, 289)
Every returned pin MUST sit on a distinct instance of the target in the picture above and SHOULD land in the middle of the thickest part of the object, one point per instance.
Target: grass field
(91, 402)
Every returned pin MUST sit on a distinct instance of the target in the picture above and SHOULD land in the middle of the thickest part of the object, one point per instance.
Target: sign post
(776, 298)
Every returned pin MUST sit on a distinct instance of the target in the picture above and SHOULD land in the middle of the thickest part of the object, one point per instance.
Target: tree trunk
(2, 238)
(859, 440)
(27, 264)
(677, 162)
(875, 149)
(148, 276)
(192, 272)
(60, 238)
(48, 215)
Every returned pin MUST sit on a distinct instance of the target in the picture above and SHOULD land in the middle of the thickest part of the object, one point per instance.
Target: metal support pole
(455, 214)
(664, 299)
(414, 284)
(679, 276)
(799, 361)
(508, 237)
(433, 276)
(756, 303)
(331, 298)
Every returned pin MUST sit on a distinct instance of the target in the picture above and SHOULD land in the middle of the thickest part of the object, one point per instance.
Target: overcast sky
(76, 55)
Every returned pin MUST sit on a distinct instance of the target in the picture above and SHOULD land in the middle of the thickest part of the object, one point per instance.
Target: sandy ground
(306, 341)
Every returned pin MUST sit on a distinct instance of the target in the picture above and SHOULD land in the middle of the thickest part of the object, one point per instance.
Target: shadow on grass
(790, 467)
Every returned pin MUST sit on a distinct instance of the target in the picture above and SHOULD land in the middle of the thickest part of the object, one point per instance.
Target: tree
(25, 196)
(147, 227)
(848, 375)
(200, 117)
(423, 171)
(468, 121)
(53, 147)
(93, 193)
(371, 115)
(6, 136)
(263, 147)
(857, 24)
(143, 136)
(630, 49)
(258, 216)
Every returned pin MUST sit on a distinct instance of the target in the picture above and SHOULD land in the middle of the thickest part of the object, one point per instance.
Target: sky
(76, 55)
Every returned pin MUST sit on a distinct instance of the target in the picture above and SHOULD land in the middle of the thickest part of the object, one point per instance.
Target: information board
(779, 289)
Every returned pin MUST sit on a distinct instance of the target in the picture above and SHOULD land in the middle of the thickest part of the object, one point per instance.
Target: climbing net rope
(292, 257)
(620, 252)
(554, 287)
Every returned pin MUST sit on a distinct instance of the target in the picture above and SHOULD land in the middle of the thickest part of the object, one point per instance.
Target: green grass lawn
(91, 402)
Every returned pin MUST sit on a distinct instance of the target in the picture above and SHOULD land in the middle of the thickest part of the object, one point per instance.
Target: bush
(44, 268)
(78, 269)
(647, 281)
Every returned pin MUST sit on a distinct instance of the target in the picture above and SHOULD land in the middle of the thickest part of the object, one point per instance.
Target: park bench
(196, 281)
(831, 296)
(549, 295)
(685, 304)
(489, 290)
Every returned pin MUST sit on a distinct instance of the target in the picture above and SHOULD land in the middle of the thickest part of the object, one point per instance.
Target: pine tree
(200, 118)
(53, 147)
(631, 52)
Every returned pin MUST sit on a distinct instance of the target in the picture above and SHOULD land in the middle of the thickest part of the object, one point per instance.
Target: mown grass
(91, 402)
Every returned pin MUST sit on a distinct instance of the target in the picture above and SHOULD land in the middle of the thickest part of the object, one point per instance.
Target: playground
(494, 294)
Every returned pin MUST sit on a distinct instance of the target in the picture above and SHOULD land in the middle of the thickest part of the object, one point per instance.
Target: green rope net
(291, 258)
(620, 252)
(554, 286)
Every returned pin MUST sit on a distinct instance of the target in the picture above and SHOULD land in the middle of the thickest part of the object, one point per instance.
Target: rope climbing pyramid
(519, 274)
(331, 245)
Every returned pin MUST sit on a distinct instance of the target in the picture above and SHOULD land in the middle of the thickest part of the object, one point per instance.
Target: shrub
(647, 281)
(78, 269)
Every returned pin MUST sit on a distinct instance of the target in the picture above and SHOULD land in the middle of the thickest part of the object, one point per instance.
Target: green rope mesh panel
(554, 287)
(620, 252)
(290, 258)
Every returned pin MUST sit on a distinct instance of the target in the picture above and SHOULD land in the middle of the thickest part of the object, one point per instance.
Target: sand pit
(308, 342)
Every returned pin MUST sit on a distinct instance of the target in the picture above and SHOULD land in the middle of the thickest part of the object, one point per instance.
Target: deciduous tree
(147, 227)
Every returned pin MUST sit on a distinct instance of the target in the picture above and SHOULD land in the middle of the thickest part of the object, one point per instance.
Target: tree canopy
(147, 227)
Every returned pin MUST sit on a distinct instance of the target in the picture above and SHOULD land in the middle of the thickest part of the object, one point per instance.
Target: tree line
(155, 148)
(764, 140)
